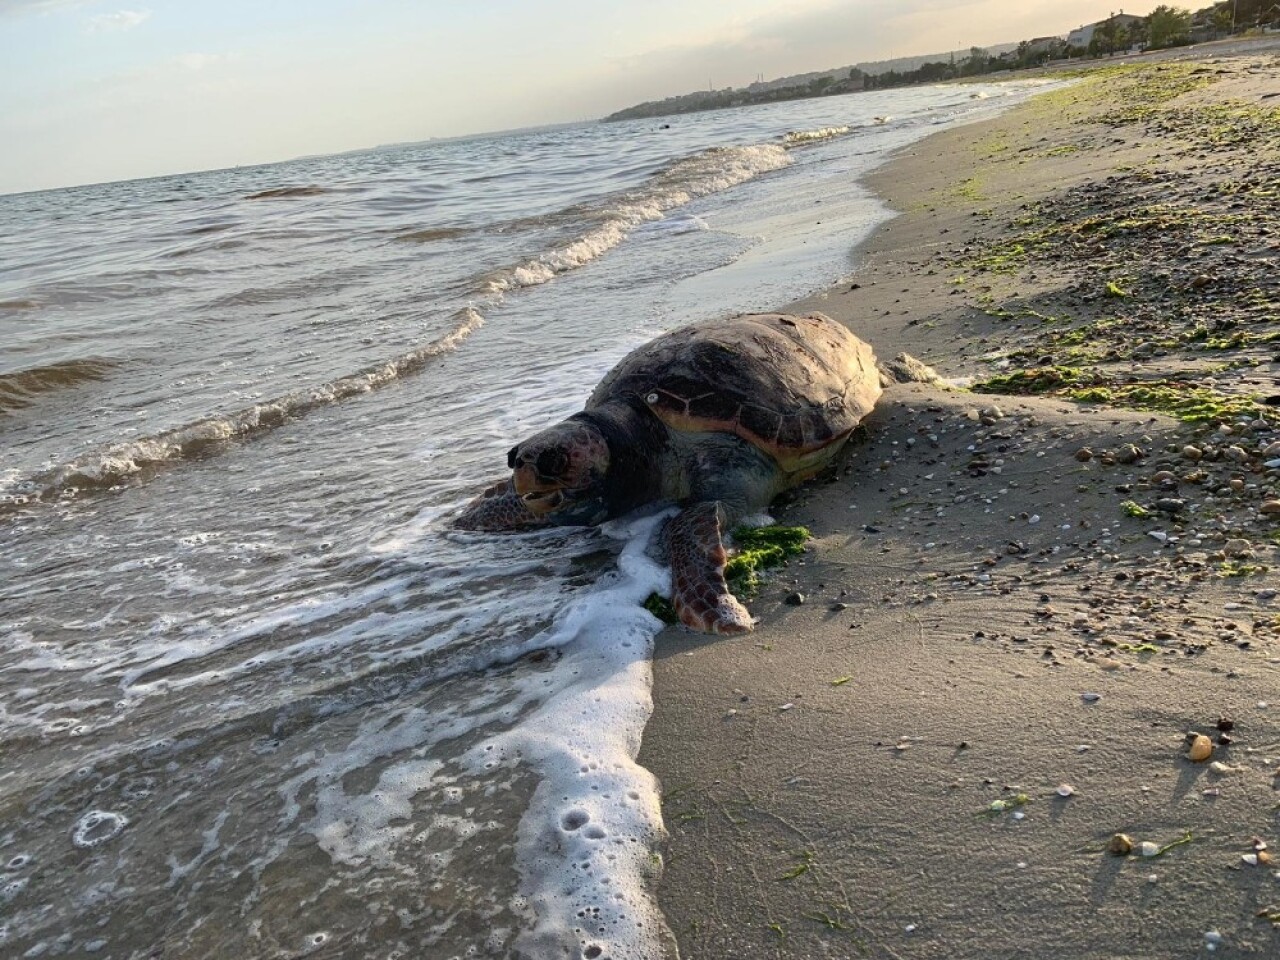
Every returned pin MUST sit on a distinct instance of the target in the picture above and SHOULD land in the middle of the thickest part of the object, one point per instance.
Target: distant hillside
(821, 83)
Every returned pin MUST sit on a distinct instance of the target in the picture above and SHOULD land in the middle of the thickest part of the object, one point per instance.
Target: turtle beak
(538, 496)
(542, 501)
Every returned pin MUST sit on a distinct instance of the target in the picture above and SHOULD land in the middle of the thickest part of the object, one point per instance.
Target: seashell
(1120, 845)
(1201, 749)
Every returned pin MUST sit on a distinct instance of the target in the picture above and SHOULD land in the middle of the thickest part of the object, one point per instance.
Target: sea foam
(586, 844)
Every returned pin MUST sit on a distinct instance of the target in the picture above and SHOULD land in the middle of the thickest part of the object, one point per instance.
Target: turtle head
(559, 473)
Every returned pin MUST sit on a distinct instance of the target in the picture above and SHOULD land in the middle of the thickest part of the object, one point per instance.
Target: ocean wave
(796, 137)
(431, 234)
(278, 193)
(21, 388)
(710, 171)
(122, 462)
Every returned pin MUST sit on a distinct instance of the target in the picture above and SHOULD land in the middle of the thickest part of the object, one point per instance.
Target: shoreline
(829, 779)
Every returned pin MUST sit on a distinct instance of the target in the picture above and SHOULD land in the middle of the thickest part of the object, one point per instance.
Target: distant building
(1041, 49)
(1081, 36)
(1050, 45)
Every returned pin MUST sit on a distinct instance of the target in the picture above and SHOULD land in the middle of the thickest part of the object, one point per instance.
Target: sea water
(257, 698)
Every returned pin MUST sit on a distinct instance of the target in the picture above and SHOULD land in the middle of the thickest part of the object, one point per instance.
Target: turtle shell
(793, 386)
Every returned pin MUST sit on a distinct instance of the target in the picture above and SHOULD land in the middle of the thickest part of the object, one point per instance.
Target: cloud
(115, 22)
(18, 7)
(198, 61)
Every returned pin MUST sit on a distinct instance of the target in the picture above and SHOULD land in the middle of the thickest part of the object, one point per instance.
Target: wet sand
(981, 618)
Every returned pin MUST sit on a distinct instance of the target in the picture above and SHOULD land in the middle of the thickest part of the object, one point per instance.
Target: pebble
(1220, 768)
(794, 599)
(1148, 848)
(1090, 697)
(1270, 508)
(1250, 858)
(1066, 790)
(1194, 454)
(1212, 939)
(1084, 454)
(1129, 453)
(1238, 548)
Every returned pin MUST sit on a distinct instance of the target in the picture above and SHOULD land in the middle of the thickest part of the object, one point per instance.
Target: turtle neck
(639, 453)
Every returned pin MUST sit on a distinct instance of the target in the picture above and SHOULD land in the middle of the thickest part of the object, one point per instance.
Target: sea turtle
(718, 417)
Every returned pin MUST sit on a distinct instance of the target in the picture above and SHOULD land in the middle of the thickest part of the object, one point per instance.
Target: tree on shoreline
(1168, 27)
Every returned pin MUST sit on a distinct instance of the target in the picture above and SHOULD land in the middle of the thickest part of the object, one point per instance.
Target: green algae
(1034, 380)
(1187, 403)
(1013, 253)
(1230, 568)
(1138, 648)
(661, 608)
(1131, 508)
(760, 548)
(1183, 401)
(996, 807)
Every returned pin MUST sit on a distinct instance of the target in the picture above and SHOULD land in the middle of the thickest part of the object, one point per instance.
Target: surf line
(138, 460)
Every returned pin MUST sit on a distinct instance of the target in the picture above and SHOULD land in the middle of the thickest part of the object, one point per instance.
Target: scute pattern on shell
(791, 385)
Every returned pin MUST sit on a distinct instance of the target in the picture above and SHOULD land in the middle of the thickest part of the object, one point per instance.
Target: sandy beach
(1018, 607)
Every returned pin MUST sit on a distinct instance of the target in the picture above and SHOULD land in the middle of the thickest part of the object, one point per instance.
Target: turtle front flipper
(498, 508)
(699, 592)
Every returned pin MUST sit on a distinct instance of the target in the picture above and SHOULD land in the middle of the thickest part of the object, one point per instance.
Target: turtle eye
(511, 457)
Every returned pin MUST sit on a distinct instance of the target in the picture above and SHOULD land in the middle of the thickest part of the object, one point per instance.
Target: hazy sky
(93, 90)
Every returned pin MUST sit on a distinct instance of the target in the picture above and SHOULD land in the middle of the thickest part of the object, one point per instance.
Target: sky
(101, 90)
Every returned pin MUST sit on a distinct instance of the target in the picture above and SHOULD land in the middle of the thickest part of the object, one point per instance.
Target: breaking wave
(710, 171)
(121, 462)
(797, 137)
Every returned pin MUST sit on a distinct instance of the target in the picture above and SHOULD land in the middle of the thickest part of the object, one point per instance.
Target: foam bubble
(97, 827)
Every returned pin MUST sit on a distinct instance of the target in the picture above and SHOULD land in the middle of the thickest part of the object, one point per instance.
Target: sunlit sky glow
(97, 90)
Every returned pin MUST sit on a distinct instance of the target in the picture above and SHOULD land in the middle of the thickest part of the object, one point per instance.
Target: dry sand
(980, 618)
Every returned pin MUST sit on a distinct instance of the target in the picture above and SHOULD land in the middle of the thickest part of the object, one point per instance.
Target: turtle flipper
(498, 508)
(698, 590)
